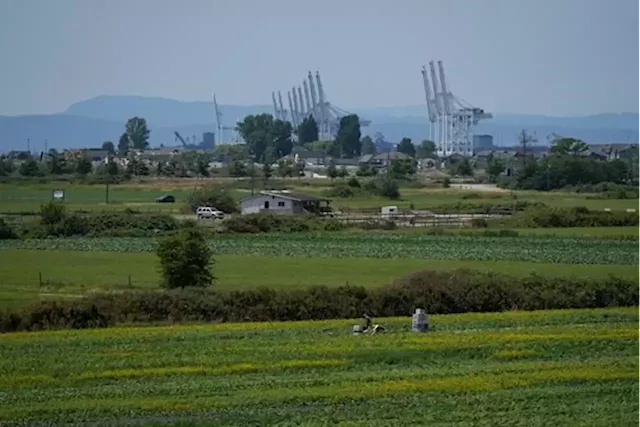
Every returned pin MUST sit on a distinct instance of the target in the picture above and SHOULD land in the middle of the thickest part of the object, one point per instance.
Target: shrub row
(572, 217)
(380, 186)
(438, 292)
(55, 221)
(266, 222)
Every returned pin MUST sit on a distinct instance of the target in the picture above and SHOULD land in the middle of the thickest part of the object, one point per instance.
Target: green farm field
(15, 198)
(34, 269)
(568, 367)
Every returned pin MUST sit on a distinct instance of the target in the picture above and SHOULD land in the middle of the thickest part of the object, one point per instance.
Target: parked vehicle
(206, 212)
(167, 198)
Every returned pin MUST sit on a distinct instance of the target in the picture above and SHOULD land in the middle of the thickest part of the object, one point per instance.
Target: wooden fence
(413, 220)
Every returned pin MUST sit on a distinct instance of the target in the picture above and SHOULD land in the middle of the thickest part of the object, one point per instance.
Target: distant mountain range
(91, 122)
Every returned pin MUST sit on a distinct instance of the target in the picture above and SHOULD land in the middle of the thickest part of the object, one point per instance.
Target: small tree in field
(185, 260)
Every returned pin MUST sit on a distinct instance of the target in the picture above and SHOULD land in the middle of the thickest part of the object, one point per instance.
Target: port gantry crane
(314, 104)
(219, 125)
(451, 119)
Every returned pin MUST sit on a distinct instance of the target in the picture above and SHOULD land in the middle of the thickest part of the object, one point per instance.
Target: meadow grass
(565, 367)
(76, 273)
(27, 197)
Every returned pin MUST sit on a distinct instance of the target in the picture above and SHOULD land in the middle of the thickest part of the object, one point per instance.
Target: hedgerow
(438, 292)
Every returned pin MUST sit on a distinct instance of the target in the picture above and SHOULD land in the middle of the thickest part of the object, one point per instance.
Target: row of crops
(570, 367)
(400, 245)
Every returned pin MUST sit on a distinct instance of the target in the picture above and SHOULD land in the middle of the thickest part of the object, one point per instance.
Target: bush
(479, 223)
(185, 260)
(56, 222)
(6, 232)
(214, 196)
(353, 182)
(383, 187)
(340, 190)
(438, 292)
(270, 222)
(52, 213)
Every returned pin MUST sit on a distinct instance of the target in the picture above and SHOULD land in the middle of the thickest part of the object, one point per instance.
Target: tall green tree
(109, 147)
(464, 168)
(307, 131)
(124, 144)
(265, 136)
(138, 133)
(367, 145)
(267, 172)
(406, 146)
(426, 149)
(6, 166)
(185, 260)
(56, 163)
(568, 147)
(29, 167)
(495, 167)
(83, 165)
(348, 136)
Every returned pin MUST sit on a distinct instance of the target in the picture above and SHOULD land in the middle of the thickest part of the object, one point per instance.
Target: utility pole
(252, 173)
(106, 195)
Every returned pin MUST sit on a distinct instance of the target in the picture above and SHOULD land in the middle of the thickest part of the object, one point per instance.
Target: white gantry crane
(278, 107)
(451, 119)
(219, 125)
(314, 104)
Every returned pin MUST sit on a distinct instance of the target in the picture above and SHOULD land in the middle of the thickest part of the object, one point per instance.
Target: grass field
(571, 367)
(28, 197)
(35, 269)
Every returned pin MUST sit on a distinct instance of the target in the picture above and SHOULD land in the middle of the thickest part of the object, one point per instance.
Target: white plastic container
(420, 321)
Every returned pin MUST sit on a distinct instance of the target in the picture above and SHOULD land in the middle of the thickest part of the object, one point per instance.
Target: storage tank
(208, 140)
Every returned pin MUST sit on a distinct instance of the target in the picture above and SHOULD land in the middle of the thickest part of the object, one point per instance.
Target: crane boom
(446, 96)
(293, 111)
(303, 112)
(427, 92)
(283, 112)
(275, 106)
(306, 98)
(296, 108)
(436, 92)
(314, 97)
(179, 137)
(322, 110)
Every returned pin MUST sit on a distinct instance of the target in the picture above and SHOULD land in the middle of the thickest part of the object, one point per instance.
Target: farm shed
(283, 202)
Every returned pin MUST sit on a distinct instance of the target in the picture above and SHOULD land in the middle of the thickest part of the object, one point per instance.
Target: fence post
(40, 278)
(129, 280)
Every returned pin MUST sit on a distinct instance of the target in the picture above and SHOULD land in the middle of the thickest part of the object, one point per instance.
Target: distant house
(97, 155)
(309, 157)
(163, 151)
(283, 202)
(427, 163)
(18, 155)
(346, 162)
(383, 159)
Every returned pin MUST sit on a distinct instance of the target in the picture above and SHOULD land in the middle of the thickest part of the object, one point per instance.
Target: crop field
(391, 245)
(569, 367)
(28, 197)
(33, 269)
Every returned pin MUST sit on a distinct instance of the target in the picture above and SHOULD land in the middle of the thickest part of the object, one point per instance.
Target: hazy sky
(557, 57)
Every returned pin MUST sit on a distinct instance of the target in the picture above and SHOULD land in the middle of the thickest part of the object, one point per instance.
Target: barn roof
(285, 194)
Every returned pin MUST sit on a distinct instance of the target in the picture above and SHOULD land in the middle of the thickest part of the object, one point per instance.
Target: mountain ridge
(90, 122)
